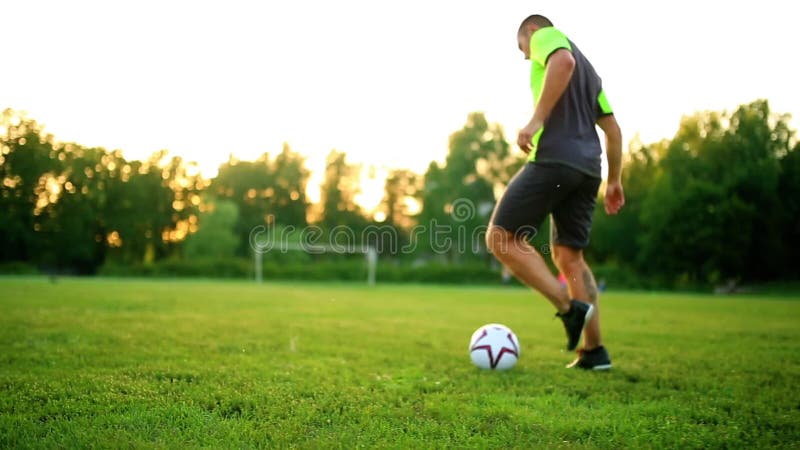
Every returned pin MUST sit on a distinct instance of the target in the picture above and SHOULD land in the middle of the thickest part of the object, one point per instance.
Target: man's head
(527, 28)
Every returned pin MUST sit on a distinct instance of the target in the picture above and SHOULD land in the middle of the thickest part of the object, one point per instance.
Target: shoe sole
(599, 367)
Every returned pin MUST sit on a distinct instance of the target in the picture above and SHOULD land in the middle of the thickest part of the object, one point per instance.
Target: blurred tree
(750, 158)
(27, 171)
(614, 238)
(290, 204)
(399, 206)
(215, 237)
(713, 211)
(789, 196)
(338, 191)
(77, 220)
(67, 207)
(401, 191)
(249, 186)
(149, 205)
(266, 192)
(460, 195)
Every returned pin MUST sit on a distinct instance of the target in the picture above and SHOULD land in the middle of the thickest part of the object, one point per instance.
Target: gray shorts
(539, 189)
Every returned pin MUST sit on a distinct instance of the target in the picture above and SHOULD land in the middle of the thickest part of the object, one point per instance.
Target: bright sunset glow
(384, 82)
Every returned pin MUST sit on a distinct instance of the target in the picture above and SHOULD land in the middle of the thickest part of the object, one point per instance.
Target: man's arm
(615, 197)
(558, 72)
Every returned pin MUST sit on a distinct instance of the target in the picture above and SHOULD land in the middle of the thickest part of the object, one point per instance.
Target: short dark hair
(534, 19)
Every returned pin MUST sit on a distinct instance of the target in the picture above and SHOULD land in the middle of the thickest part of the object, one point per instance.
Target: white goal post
(370, 256)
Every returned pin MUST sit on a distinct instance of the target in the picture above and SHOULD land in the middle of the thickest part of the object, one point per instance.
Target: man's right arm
(615, 197)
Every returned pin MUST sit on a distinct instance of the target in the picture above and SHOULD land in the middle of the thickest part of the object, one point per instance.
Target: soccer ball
(494, 347)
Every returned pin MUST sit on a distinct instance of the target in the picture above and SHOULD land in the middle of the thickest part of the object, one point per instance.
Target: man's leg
(529, 197)
(580, 281)
(527, 265)
(581, 284)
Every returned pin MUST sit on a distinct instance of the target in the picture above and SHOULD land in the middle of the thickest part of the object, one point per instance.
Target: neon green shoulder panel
(602, 101)
(543, 43)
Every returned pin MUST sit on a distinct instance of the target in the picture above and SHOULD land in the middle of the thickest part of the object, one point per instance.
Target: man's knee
(567, 259)
(497, 239)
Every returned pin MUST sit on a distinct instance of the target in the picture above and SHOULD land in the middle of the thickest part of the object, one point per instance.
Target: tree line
(718, 201)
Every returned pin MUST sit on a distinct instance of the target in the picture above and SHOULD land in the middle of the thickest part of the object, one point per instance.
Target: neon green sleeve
(602, 102)
(545, 41)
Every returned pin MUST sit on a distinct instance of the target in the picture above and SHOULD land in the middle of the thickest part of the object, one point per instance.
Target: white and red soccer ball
(494, 347)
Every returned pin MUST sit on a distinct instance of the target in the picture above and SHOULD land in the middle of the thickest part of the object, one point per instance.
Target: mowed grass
(119, 364)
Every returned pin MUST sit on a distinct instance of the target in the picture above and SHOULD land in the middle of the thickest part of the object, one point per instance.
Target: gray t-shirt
(569, 135)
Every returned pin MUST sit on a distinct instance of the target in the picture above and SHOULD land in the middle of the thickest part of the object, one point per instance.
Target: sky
(386, 82)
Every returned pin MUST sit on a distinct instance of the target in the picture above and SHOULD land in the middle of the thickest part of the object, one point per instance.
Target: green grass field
(110, 363)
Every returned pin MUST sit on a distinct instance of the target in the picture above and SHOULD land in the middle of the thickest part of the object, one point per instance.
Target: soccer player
(561, 178)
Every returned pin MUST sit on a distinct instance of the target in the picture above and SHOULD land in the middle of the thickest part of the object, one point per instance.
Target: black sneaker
(595, 359)
(575, 321)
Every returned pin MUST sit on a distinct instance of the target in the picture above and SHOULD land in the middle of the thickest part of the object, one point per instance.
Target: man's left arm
(558, 72)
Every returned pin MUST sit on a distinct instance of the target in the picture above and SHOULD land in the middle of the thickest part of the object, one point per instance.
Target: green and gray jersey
(569, 135)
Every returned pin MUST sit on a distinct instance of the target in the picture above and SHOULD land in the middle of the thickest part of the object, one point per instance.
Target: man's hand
(525, 137)
(614, 198)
